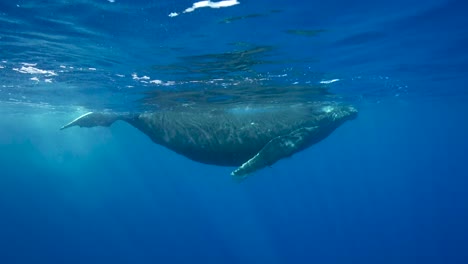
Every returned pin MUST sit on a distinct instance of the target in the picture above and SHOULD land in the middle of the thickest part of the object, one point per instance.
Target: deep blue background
(388, 187)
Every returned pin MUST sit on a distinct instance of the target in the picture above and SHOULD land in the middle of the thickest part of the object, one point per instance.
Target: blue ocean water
(388, 187)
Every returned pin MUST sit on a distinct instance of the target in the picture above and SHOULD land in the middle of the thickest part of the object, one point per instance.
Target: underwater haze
(388, 187)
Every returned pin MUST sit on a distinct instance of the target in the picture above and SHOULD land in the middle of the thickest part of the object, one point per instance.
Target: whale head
(338, 111)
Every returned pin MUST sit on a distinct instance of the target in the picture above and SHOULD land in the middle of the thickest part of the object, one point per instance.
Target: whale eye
(327, 109)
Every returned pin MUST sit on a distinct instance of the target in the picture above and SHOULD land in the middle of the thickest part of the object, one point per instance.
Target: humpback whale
(249, 137)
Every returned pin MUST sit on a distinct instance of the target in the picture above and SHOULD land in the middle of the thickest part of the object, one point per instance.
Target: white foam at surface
(33, 70)
(225, 3)
(29, 64)
(34, 79)
(135, 77)
(201, 4)
(329, 81)
(156, 81)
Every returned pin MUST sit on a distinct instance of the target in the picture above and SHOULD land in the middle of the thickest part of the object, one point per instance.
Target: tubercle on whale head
(345, 113)
(340, 112)
(352, 112)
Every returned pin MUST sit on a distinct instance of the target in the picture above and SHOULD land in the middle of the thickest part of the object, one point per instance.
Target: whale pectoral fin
(92, 119)
(278, 148)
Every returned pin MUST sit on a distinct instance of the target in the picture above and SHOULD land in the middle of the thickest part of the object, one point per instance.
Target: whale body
(249, 137)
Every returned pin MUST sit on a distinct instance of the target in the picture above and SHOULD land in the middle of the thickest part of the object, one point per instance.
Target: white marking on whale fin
(72, 123)
(278, 148)
(93, 119)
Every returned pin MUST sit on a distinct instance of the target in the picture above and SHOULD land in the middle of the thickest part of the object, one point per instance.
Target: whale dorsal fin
(92, 119)
(276, 149)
